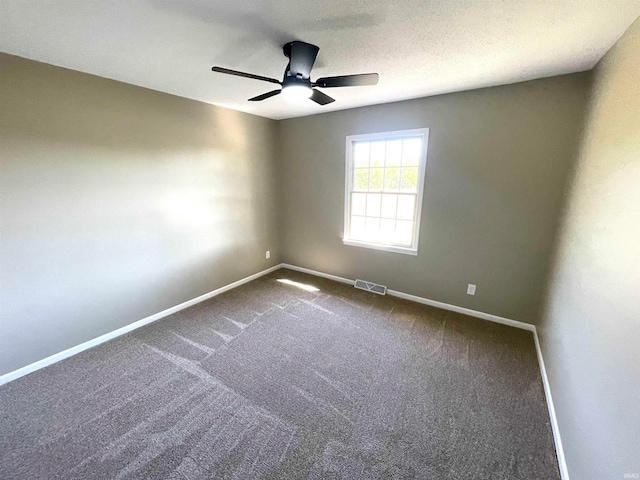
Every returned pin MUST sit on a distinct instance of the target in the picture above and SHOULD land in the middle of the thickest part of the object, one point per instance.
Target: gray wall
(118, 202)
(591, 328)
(497, 165)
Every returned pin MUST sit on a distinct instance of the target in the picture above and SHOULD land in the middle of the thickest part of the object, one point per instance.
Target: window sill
(379, 246)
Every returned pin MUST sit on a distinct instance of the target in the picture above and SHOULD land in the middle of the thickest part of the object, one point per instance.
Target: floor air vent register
(371, 287)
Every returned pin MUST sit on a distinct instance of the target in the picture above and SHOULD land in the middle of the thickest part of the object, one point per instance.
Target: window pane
(391, 179)
(377, 154)
(393, 154)
(404, 232)
(387, 230)
(411, 148)
(361, 155)
(406, 205)
(358, 203)
(357, 227)
(375, 178)
(389, 206)
(361, 179)
(371, 228)
(373, 204)
(409, 179)
(383, 195)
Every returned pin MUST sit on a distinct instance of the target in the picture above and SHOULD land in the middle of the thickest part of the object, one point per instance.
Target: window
(384, 186)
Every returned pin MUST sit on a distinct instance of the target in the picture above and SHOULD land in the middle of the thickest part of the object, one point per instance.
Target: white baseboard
(466, 311)
(425, 301)
(564, 473)
(318, 274)
(8, 377)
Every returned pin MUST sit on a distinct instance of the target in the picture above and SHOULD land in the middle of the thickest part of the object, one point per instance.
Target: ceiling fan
(297, 76)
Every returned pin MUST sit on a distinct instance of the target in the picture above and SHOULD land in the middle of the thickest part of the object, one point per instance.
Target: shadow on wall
(257, 31)
(592, 312)
(119, 202)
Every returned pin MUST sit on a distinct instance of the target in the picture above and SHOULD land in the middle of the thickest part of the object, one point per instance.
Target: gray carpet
(272, 381)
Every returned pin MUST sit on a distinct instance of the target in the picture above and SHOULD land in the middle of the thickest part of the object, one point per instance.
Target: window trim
(413, 248)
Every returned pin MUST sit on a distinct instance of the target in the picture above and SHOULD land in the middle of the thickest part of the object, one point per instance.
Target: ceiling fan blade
(321, 98)
(243, 74)
(302, 56)
(264, 96)
(348, 80)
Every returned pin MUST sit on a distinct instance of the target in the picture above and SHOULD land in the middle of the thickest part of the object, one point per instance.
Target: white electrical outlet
(267, 255)
(471, 289)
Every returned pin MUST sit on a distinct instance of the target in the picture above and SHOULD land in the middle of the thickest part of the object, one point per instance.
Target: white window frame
(370, 137)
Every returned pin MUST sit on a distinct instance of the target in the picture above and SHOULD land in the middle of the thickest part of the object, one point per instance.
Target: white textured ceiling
(419, 47)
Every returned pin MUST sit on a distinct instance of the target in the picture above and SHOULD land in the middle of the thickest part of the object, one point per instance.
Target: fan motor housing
(290, 80)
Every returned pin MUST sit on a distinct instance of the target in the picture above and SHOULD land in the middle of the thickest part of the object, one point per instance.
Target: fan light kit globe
(296, 91)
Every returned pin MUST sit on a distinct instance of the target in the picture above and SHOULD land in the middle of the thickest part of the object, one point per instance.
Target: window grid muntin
(415, 157)
(399, 165)
(380, 217)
